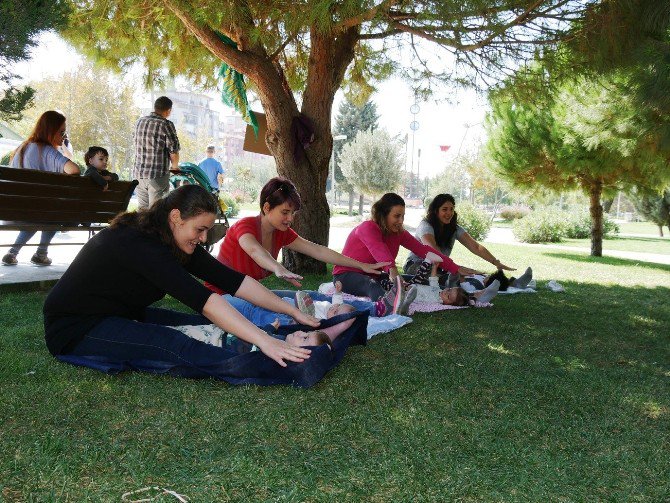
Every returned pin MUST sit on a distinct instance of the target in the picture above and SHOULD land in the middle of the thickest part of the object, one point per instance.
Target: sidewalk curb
(28, 286)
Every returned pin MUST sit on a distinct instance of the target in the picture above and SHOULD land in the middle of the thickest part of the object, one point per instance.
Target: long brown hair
(381, 209)
(43, 134)
(190, 200)
(443, 232)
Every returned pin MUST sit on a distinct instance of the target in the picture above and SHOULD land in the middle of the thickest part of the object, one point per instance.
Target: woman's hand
(466, 271)
(281, 350)
(281, 272)
(305, 319)
(499, 265)
(373, 268)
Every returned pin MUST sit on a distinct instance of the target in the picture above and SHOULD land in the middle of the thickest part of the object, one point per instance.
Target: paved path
(27, 274)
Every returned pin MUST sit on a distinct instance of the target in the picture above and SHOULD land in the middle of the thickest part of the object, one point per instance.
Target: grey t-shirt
(40, 157)
(425, 228)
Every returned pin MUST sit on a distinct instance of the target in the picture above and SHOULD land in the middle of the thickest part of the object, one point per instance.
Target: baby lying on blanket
(215, 336)
(479, 281)
(431, 293)
(396, 301)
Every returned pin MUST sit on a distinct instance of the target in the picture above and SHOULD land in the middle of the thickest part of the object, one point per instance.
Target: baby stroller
(191, 174)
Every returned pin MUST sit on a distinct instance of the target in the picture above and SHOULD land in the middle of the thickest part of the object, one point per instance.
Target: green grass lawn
(641, 228)
(545, 397)
(623, 243)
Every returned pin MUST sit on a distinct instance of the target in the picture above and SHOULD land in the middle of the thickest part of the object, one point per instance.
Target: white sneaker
(555, 286)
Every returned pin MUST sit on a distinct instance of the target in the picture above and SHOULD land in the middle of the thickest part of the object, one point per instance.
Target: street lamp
(414, 125)
(337, 137)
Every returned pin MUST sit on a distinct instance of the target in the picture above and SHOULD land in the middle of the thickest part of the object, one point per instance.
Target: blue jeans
(25, 236)
(259, 316)
(124, 340)
(360, 305)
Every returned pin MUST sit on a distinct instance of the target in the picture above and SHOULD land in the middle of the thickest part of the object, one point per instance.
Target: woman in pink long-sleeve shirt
(378, 240)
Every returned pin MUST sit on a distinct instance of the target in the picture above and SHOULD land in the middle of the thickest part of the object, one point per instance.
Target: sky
(457, 124)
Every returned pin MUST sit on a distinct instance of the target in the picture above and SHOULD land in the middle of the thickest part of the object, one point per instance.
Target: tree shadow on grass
(580, 257)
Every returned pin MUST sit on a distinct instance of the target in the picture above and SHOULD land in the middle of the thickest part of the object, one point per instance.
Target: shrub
(426, 201)
(232, 203)
(541, 226)
(579, 225)
(474, 221)
(514, 212)
(610, 227)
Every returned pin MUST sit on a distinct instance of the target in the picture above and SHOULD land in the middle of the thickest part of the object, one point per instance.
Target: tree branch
(239, 60)
(279, 49)
(370, 14)
(379, 35)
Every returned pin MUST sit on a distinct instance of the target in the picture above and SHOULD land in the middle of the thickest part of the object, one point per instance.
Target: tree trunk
(351, 202)
(360, 205)
(660, 230)
(596, 211)
(330, 55)
(308, 171)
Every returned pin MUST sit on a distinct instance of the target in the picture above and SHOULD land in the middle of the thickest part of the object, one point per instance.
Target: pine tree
(584, 132)
(654, 207)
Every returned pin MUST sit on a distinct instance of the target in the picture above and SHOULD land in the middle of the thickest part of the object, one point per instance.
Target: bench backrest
(41, 197)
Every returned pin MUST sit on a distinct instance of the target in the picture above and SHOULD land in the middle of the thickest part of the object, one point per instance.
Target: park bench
(40, 200)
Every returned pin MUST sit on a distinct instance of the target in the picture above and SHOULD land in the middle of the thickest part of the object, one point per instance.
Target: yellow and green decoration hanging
(233, 89)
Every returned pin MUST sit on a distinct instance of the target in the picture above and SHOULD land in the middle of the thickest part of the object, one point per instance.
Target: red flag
(444, 148)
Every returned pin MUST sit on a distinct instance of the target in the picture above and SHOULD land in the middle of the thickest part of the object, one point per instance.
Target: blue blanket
(254, 367)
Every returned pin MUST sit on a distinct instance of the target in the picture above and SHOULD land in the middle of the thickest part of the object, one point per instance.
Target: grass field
(545, 397)
(641, 228)
(625, 243)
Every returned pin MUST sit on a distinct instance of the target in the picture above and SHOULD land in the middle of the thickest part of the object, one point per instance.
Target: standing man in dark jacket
(156, 148)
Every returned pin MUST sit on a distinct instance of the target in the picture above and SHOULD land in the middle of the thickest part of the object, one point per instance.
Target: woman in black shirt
(100, 307)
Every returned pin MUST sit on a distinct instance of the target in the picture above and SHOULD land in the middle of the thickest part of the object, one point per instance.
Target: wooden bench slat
(39, 200)
(60, 192)
(18, 226)
(45, 178)
(67, 217)
(57, 205)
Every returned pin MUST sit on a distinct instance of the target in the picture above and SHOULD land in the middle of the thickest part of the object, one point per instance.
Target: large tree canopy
(298, 54)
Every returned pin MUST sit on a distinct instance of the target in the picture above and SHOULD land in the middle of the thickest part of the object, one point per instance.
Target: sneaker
(9, 259)
(410, 295)
(489, 292)
(399, 293)
(304, 302)
(40, 260)
(523, 280)
(555, 286)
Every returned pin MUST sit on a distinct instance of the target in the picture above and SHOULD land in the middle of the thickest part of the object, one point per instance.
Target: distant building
(193, 115)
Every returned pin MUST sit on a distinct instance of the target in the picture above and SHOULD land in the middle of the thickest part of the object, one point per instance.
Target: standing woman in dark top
(100, 307)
